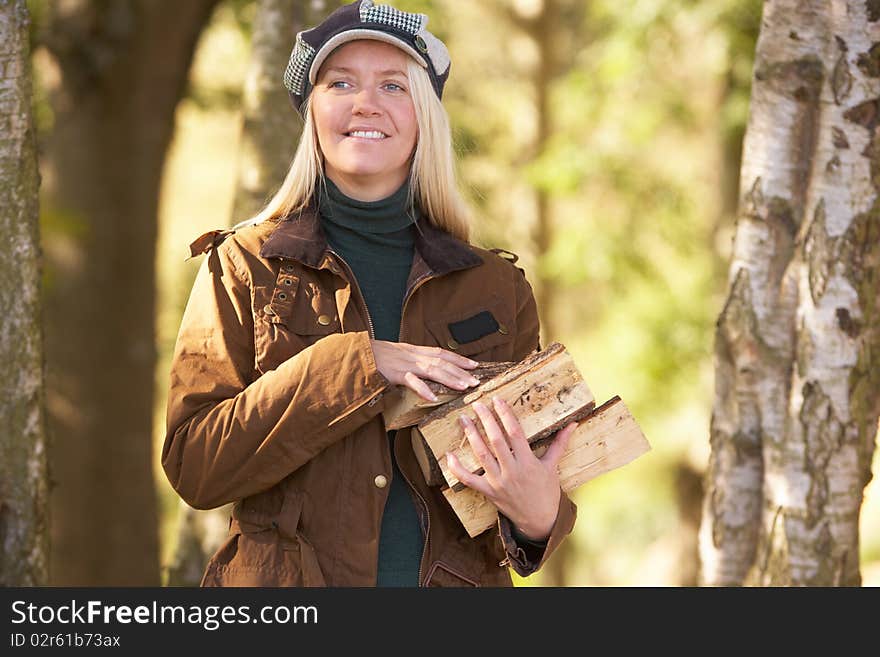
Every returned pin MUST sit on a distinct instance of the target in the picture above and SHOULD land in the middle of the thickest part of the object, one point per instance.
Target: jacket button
(452, 344)
(324, 320)
(381, 481)
(502, 329)
(268, 310)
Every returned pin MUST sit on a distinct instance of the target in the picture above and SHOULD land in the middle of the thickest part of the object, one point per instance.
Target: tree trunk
(270, 132)
(24, 538)
(123, 67)
(798, 341)
(546, 29)
(270, 126)
(688, 501)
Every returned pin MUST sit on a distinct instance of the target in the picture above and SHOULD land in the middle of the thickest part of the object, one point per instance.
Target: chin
(369, 169)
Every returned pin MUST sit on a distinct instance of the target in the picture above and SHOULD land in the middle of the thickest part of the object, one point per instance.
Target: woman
(355, 278)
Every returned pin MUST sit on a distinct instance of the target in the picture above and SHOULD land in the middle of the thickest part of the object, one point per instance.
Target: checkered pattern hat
(364, 20)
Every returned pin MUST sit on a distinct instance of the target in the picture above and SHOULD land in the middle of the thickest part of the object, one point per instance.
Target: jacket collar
(300, 237)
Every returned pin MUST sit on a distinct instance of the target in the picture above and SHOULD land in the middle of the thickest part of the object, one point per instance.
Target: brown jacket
(275, 404)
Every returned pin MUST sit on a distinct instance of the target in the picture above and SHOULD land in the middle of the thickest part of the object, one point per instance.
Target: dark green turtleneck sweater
(376, 239)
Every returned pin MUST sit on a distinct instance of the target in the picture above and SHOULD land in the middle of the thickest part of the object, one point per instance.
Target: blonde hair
(433, 182)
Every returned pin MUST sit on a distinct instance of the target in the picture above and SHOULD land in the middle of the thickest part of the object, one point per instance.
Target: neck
(387, 215)
(363, 188)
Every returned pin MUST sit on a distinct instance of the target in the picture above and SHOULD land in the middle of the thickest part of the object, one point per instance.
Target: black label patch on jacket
(473, 328)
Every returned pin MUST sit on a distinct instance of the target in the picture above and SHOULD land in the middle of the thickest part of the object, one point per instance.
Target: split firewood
(545, 390)
(425, 457)
(605, 440)
(406, 407)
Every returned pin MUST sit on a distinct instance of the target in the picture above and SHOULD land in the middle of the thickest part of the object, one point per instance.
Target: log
(430, 468)
(407, 408)
(605, 440)
(546, 391)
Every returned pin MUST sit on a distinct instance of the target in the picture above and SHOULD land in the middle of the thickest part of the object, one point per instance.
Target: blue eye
(396, 87)
(333, 85)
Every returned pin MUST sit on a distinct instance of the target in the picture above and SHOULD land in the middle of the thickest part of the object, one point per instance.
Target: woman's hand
(407, 364)
(522, 486)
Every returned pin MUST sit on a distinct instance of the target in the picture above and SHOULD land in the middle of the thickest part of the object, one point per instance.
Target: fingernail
(475, 381)
(473, 362)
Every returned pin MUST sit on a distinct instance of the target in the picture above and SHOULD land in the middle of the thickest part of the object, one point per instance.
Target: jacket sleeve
(524, 556)
(229, 436)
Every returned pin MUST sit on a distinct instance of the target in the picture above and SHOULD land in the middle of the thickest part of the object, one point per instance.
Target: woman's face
(365, 119)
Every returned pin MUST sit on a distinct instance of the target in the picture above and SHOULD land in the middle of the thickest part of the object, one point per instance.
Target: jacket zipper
(353, 280)
(418, 282)
(427, 519)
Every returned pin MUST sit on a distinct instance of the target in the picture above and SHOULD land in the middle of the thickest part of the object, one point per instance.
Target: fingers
(479, 447)
(518, 442)
(419, 387)
(456, 359)
(442, 371)
(407, 364)
(560, 443)
(449, 361)
(495, 435)
(438, 365)
(468, 478)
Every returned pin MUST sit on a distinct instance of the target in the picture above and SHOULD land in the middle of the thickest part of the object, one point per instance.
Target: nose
(366, 102)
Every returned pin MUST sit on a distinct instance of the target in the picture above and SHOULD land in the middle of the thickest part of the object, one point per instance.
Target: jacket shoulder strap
(210, 240)
(504, 253)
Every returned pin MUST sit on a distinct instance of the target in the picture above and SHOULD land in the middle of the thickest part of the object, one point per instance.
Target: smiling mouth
(366, 134)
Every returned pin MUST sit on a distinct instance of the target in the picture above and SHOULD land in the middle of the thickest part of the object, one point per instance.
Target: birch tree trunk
(797, 351)
(24, 537)
(270, 132)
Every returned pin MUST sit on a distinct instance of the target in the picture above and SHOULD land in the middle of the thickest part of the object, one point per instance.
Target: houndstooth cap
(364, 19)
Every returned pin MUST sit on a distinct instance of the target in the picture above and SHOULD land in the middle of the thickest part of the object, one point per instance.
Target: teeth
(371, 134)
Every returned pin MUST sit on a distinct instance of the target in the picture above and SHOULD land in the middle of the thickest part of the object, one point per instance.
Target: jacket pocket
(480, 329)
(442, 574)
(285, 326)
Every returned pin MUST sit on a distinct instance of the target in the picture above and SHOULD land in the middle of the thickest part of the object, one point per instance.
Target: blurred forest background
(600, 141)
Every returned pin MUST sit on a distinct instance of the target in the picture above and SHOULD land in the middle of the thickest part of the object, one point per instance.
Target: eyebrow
(343, 69)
